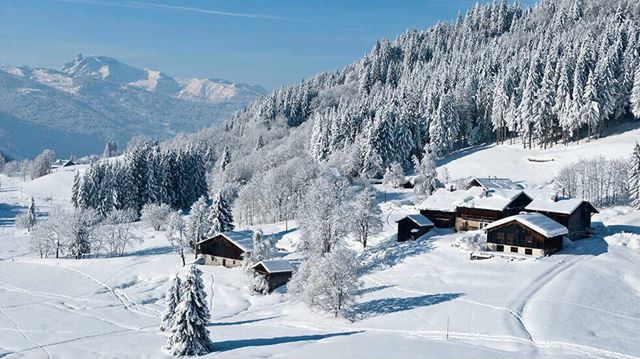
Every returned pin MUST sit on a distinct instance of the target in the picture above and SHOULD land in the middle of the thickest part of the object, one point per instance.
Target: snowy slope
(95, 98)
(420, 299)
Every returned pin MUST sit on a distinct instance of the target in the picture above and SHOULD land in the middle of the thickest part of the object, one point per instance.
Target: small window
(514, 249)
(500, 248)
(528, 251)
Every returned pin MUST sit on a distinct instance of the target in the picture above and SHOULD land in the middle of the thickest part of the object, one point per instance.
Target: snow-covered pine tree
(426, 180)
(172, 298)
(188, 334)
(635, 94)
(32, 216)
(110, 149)
(220, 216)
(393, 176)
(634, 177)
(75, 189)
(225, 158)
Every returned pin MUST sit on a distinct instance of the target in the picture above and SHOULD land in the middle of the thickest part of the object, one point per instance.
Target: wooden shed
(226, 249)
(527, 233)
(480, 207)
(575, 214)
(276, 272)
(413, 227)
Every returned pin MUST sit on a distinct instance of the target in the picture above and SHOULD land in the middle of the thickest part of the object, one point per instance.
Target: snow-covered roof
(276, 265)
(242, 239)
(536, 221)
(562, 205)
(443, 200)
(420, 220)
(493, 199)
(496, 183)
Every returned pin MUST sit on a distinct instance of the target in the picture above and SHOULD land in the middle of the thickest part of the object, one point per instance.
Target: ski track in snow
(24, 334)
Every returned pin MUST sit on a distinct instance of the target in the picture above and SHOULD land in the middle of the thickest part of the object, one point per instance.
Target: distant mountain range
(91, 99)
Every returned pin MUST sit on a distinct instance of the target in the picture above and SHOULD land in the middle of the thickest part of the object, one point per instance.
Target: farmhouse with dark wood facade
(276, 272)
(481, 207)
(226, 249)
(575, 214)
(527, 233)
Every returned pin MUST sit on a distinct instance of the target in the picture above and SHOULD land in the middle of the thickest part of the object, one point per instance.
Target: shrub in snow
(172, 298)
(393, 176)
(41, 165)
(327, 282)
(176, 233)
(426, 180)
(259, 284)
(634, 177)
(115, 232)
(188, 334)
(155, 214)
(471, 241)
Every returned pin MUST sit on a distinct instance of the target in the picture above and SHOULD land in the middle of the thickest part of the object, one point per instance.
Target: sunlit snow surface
(422, 299)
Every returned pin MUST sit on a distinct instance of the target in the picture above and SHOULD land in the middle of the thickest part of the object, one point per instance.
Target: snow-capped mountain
(90, 99)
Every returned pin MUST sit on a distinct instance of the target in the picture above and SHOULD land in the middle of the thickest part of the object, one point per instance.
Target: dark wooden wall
(440, 219)
(517, 234)
(219, 246)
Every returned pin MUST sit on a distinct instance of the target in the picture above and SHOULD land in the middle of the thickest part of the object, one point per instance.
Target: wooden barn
(480, 207)
(440, 207)
(413, 227)
(527, 233)
(276, 272)
(494, 183)
(575, 214)
(226, 249)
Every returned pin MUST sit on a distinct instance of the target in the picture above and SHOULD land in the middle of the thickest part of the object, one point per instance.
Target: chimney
(554, 197)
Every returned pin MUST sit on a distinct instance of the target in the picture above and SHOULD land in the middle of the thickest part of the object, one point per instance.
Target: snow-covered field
(420, 299)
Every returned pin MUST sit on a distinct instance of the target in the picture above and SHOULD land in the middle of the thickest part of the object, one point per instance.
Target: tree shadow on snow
(463, 153)
(261, 342)
(374, 289)
(8, 213)
(391, 252)
(151, 251)
(385, 306)
(220, 324)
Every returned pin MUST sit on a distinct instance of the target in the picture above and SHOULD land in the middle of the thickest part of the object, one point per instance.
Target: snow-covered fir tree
(110, 149)
(188, 334)
(263, 248)
(225, 158)
(393, 176)
(220, 216)
(635, 95)
(172, 299)
(634, 177)
(426, 180)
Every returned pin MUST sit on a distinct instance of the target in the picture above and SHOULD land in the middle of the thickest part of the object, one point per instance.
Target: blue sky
(268, 42)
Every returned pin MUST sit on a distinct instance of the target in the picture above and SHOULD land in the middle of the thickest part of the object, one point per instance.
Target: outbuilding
(276, 272)
(440, 207)
(413, 227)
(526, 233)
(575, 214)
(227, 248)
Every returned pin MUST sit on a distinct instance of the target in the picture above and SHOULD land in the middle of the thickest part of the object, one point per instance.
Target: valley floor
(422, 299)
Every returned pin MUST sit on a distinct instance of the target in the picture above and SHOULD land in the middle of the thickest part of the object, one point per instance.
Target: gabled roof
(275, 266)
(536, 221)
(420, 220)
(562, 205)
(493, 199)
(496, 183)
(241, 239)
(443, 200)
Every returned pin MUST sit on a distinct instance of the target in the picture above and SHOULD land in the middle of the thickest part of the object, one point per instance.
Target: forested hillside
(560, 71)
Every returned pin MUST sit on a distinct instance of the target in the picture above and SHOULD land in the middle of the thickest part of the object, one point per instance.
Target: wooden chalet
(480, 207)
(575, 214)
(413, 227)
(276, 272)
(494, 183)
(527, 233)
(226, 249)
(440, 207)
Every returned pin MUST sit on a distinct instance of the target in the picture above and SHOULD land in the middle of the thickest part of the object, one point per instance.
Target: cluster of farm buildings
(514, 222)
